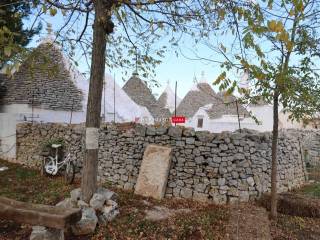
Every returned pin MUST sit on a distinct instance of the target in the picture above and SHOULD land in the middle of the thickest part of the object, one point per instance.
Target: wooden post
(102, 26)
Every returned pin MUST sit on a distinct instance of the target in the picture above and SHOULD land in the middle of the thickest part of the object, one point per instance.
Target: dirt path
(248, 222)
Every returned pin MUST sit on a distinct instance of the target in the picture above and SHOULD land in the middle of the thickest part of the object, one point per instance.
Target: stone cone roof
(126, 109)
(44, 80)
(167, 99)
(227, 106)
(200, 95)
(139, 92)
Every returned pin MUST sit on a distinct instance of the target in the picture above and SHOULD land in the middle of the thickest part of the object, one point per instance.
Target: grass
(25, 184)
(312, 190)
(202, 221)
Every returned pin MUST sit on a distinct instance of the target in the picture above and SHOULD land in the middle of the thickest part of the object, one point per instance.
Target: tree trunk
(274, 173)
(90, 166)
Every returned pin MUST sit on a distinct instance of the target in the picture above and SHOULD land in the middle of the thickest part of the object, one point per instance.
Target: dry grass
(295, 228)
(304, 203)
(294, 205)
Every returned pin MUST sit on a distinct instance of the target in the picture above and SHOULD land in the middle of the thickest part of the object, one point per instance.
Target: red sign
(178, 119)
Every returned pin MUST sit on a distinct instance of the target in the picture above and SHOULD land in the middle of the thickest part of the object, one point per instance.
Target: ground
(194, 221)
(143, 218)
(300, 228)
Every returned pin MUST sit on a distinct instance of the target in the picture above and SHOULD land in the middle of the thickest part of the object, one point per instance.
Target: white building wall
(8, 136)
(264, 115)
(224, 123)
(16, 113)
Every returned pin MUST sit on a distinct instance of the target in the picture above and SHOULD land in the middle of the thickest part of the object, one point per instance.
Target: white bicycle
(52, 165)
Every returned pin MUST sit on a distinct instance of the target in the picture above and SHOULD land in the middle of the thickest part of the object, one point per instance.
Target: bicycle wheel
(48, 166)
(69, 172)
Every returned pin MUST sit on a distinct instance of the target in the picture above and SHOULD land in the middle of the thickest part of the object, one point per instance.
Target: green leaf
(7, 51)
(53, 11)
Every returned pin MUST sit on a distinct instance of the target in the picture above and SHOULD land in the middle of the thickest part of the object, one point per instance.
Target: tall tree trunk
(90, 166)
(274, 172)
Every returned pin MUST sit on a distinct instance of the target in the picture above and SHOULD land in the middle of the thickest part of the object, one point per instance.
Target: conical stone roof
(44, 80)
(167, 99)
(201, 94)
(139, 92)
(227, 106)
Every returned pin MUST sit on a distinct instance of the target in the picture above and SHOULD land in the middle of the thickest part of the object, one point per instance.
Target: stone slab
(154, 170)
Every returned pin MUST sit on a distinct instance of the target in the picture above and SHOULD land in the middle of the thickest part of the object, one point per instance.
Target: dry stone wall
(224, 167)
(310, 143)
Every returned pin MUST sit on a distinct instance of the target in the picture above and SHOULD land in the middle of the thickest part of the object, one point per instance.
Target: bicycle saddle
(56, 145)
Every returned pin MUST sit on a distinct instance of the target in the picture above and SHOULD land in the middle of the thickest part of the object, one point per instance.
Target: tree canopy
(14, 36)
(277, 46)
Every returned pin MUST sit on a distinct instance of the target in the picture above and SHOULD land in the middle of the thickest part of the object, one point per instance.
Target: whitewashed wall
(263, 113)
(16, 113)
(224, 123)
(8, 136)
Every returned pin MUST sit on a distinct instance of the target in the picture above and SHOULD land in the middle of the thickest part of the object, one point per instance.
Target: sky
(173, 68)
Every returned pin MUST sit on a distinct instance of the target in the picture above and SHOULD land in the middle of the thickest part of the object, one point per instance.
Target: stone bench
(53, 217)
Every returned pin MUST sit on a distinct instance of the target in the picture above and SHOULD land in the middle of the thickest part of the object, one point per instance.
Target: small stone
(82, 204)
(66, 203)
(175, 132)
(204, 136)
(87, 224)
(151, 131)
(235, 175)
(161, 130)
(190, 140)
(221, 181)
(140, 130)
(186, 193)
(128, 186)
(76, 195)
(108, 213)
(199, 160)
(43, 233)
(108, 195)
(188, 132)
(223, 147)
(223, 170)
(97, 201)
(218, 198)
(250, 181)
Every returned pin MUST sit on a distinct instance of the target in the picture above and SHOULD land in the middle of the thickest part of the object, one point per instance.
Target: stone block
(186, 193)
(189, 132)
(87, 224)
(154, 170)
(204, 136)
(175, 132)
(43, 233)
